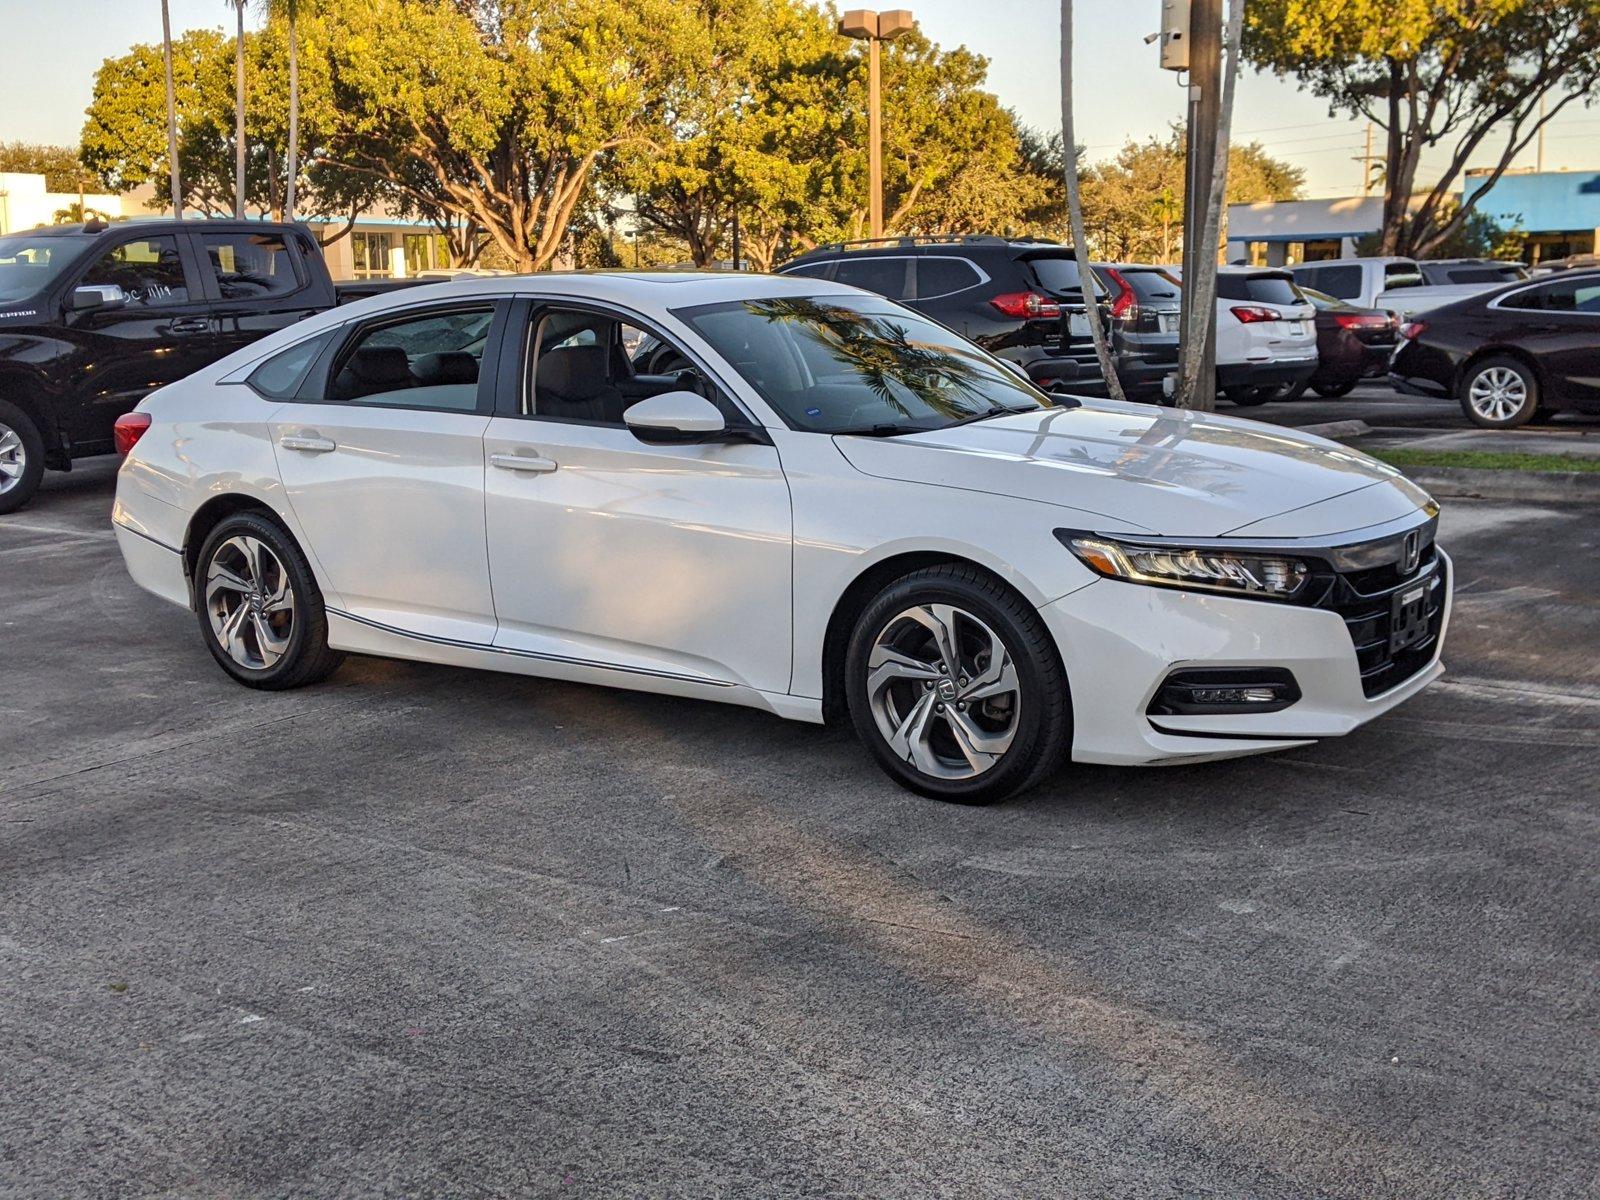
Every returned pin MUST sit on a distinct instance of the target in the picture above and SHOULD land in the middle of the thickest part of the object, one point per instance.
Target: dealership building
(1559, 211)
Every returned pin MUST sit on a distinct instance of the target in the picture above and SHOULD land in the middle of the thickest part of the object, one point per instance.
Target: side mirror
(99, 295)
(679, 416)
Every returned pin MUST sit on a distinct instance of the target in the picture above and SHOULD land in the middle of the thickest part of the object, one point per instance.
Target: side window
(430, 360)
(938, 276)
(1401, 275)
(884, 275)
(590, 366)
(280, 376)
(148, 270)
(816, 270)
(251, 266)
(1569, 295)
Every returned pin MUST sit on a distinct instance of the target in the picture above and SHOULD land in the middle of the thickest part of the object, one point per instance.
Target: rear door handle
(311, 445)
(530, 463)
(190, 325)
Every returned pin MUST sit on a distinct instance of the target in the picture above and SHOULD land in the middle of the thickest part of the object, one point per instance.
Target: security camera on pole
(874, 28)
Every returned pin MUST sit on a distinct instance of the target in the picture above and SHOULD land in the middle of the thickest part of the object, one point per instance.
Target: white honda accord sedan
(787, 494)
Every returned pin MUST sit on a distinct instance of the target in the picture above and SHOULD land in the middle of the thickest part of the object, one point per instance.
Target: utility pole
(1366, 160)
(1205, 111)
(873, 28)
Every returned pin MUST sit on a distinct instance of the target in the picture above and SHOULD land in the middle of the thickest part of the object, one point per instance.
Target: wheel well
(1511, 352)
(22, 390)
(851, 604)
(211, 514)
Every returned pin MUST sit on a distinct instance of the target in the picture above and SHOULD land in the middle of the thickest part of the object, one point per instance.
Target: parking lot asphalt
(422, 931)
(1381, 407)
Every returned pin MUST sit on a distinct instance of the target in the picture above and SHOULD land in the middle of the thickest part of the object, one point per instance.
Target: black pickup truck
(95, 317)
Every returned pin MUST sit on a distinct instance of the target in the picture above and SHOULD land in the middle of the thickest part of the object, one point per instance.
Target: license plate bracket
(1408, 621)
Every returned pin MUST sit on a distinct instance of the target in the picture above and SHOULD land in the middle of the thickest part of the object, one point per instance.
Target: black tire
(17, 490)
(1499, 392)
(1332, 391)
(1250, 397)
(1038, 715)
(1294, 392)
(305, 657)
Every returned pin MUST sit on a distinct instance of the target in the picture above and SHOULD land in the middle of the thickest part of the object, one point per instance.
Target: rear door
(1560, 326)
(381, 456)
(257, 282)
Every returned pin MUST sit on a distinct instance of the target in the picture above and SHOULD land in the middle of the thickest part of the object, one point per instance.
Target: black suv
(1020, 300)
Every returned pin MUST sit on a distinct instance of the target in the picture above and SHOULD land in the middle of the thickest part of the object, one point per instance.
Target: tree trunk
(238, 111)
(1069, 146)
(172, 113)
(294, 111)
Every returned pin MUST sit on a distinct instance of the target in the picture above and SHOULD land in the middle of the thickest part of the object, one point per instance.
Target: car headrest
(446, 367)
(574, 372)
(387, 366)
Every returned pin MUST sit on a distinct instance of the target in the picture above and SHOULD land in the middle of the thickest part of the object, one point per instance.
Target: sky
(54, 47)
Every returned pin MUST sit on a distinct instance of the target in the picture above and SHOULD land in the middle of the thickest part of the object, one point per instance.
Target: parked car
(1512, 355)
(1020, 300)
(1442, 272)
(840, 509)
(95, 316)
(1392, 284)
(1143, 326)
(1352, 344)
(1266, 339)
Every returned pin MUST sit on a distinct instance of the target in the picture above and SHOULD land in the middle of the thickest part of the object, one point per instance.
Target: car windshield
(847, 364)
(30, 263)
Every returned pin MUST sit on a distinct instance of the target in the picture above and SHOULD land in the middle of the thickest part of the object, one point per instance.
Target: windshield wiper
(998, 410)
(883, 430)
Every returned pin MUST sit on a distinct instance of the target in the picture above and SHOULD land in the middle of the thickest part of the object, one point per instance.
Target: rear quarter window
(280, 377)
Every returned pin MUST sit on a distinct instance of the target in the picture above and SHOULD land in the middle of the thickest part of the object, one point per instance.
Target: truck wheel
(21, 457)
(1499, 393)
(1332, 391)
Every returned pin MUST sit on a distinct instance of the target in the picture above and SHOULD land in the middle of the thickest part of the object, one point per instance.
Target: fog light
(1207, 692)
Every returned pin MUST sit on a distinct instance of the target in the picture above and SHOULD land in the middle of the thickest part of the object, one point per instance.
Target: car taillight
(1361, 321)
(1412, 330)
(1126, 306)
(128, 429)
(1026, 305)
(1248, 314)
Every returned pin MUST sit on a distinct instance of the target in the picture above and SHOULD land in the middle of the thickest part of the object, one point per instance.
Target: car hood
(1137, 467)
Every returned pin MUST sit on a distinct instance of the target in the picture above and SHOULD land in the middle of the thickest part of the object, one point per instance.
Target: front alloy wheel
(1500, 393)
(21, 458)
(955, 686)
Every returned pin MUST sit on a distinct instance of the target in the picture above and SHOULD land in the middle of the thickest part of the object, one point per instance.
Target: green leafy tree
(1468, 76)
(60, 165)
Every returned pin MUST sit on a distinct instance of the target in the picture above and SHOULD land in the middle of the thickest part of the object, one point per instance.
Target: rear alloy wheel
(1500, 393)
(21, 458)
(955, 687)
(259, 607)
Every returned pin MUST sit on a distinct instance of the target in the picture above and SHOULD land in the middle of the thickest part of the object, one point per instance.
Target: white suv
(1266, 335)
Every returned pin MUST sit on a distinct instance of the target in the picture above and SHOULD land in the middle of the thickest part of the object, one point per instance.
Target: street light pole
(875, 28)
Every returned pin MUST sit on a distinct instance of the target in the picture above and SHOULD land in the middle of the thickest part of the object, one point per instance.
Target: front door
(669, 560)
(383, 466)
(162, 333)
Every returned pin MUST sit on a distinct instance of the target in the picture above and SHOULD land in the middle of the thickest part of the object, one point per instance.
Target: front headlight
(1206, 568)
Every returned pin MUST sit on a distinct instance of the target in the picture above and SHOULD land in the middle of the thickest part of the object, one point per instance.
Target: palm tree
(172, 113)
(238, 109)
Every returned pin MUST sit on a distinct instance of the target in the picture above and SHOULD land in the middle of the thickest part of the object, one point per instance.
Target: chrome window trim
(1499, 302)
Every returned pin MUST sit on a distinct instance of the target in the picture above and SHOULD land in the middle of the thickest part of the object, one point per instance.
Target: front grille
(1366, 600)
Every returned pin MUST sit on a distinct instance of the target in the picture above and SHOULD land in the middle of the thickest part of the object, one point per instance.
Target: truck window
(1401, 275)
(148, 270)
(251, 266)
(29, 263)
(1341, 282)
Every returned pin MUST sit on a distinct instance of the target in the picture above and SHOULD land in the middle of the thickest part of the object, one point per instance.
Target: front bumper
(1120, 641)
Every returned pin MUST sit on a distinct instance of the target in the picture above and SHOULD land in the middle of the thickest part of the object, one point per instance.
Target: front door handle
(190, 325)
(311, 445)
(530, 463)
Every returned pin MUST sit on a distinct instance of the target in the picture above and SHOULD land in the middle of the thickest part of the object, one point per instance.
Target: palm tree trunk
(238, 111)
(294, 112)
(172, 113)
(1080, 246)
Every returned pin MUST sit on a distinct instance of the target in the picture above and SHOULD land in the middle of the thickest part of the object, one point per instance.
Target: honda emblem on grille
(1411, 552)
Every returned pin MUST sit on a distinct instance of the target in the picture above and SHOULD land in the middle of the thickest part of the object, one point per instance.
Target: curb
(1333, 429)
(1545, 487)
